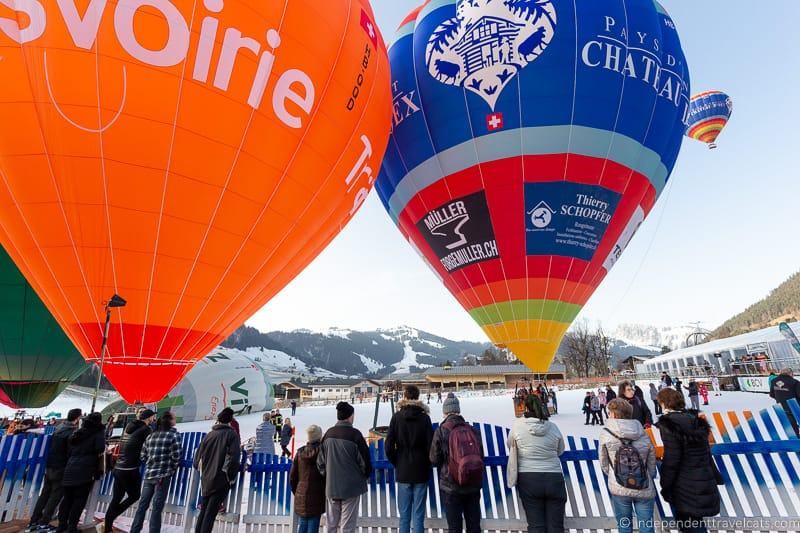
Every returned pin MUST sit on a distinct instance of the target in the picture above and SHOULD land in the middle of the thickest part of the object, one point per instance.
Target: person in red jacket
(704, 393)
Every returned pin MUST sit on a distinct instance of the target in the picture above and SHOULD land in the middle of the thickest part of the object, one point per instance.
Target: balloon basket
(519, 406)
(377, 433)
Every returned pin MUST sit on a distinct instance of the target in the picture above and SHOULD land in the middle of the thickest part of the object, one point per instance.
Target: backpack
(465, 459)
(629, 469)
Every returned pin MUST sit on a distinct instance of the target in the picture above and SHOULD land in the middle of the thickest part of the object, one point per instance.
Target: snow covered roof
(482, 370)
(770, 334)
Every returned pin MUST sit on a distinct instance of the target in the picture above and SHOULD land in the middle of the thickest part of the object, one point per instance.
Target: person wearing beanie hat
(451, 405)
(217, 459)
(85, 446)
(308, 485)
(127, 474)
(407, 445)
(461, 501)
(52, 488)
(344, 461)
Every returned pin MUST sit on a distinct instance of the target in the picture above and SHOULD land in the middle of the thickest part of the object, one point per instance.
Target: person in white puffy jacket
(536, 444)
(622, 430)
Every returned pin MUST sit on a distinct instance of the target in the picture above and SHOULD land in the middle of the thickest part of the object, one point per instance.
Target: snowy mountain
(653, 337)
(348, 352)
(340, 352)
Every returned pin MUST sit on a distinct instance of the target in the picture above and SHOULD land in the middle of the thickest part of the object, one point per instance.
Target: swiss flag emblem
(369, 27)
(494, 121)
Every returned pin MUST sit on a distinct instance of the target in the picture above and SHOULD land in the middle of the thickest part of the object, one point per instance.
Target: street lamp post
(115, 301)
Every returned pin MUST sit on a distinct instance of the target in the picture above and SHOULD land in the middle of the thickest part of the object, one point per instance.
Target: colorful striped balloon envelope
(709, 113)
(530, 141)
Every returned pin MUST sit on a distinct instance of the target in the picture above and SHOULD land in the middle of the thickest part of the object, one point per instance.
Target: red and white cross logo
(369, 27)
(494, 121)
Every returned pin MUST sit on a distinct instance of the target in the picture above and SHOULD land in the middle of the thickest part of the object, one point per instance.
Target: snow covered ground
(69, 399)
(476, 408)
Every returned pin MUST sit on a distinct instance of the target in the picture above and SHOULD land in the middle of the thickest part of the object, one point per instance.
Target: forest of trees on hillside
(782, 304)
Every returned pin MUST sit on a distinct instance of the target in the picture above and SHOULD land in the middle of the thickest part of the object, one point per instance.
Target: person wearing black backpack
(628, 457)
(457, 452)
(689, 476)
(535, 445)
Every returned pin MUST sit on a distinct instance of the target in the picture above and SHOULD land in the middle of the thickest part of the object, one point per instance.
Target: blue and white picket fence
(757, 455)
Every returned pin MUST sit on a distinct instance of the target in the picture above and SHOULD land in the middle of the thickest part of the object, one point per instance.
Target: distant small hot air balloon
(37, 360)
(709, 113)
(531, 139)
(191, 157)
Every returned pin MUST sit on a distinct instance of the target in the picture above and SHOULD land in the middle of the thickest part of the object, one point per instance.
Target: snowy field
(475, 406)
(496, 410)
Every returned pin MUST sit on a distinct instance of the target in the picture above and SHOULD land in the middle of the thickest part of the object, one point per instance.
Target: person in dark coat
(694, 395)
(407, 445)
(217, 459)
(689, 476)
(461, 504)
(345, 462)
(610, 394)
(127, 474)
(587, 408)
(57, 456)
(234, 424)
(784, 388)
(294, 407)
(287, 432)
(85, 446)
(641, 412)
(308, 485)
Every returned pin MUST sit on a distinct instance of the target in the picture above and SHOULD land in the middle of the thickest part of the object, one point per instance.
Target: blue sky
(723, 235)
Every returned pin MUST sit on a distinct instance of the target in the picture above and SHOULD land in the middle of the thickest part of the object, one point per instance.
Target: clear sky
(723, 235)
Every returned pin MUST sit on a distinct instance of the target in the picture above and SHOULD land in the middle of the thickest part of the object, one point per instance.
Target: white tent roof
(770, 334)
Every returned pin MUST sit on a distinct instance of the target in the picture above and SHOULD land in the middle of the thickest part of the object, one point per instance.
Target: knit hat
(451, 405)
(344, 411)
(314, 433)
(146, 413)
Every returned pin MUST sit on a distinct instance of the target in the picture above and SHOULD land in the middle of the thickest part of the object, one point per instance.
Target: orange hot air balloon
(191, 156)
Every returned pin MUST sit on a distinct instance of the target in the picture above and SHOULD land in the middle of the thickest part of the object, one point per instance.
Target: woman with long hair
(689, 476)
(287, 431)
(535, 445)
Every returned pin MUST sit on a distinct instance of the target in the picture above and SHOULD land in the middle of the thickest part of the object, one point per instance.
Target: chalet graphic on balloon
(488, 41)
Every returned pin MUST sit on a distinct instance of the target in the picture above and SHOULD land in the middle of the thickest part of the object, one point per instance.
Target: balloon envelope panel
(37, 360)
(220, 380)
(530, 140)
(192, 157)
(709, 113)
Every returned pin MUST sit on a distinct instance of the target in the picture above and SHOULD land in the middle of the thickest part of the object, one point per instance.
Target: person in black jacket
(127, 474)
(407, 445)
(85, 447)
(610, 394)
(218, 459)
(689, 476)
(57, 456)
(694, 394)
(641, 412)
(784, 388)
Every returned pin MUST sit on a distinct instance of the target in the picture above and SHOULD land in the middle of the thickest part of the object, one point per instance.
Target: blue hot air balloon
(531, 138)
(709, 113)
